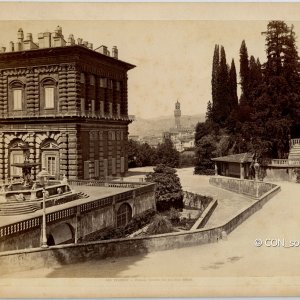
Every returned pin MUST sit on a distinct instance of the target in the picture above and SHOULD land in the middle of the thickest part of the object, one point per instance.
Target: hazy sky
(173, 58)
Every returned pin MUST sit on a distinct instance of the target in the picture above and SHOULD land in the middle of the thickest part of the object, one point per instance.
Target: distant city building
(134, 137)
(67, 103)
(177, 115)
(183, 138)
(152, 140)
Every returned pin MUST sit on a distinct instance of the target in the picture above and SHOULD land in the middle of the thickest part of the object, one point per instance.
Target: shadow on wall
(61, 234)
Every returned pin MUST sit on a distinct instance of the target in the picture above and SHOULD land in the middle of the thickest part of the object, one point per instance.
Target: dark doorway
(50, 240)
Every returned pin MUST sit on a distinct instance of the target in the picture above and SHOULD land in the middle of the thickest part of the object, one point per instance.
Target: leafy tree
(277, 102)
(167, 154)
(168, 191)
(205, 147)
(140, 154)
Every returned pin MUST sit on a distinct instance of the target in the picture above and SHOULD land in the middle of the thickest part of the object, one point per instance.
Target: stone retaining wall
(250, 188)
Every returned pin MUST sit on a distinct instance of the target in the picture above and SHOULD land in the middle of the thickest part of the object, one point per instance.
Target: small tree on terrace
(167, 154)
(168, 191)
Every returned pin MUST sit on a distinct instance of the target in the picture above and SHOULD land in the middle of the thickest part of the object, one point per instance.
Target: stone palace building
(66, 104)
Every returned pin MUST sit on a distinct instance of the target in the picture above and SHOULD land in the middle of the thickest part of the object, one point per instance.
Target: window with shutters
(103, 82)
(49, 91)
(17, 99)
(49, 97)
(17, 95)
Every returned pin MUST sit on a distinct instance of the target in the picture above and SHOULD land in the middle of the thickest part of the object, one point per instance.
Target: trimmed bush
(160, 225)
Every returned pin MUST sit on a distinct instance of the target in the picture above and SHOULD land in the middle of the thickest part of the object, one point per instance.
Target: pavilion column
(216, 169)
(242, 172)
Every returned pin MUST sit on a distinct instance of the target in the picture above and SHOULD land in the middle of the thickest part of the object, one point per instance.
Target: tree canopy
(168, 191)
(267, 112)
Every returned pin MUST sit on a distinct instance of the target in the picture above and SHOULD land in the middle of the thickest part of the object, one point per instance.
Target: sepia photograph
(149, 150)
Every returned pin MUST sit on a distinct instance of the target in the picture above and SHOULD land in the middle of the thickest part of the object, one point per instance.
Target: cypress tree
(222, 108)
(209, 113)
(244, 70)
(233, 86)
(214, 79)
(255, 79)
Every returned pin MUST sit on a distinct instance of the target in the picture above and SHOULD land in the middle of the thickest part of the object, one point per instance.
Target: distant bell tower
(177, 115)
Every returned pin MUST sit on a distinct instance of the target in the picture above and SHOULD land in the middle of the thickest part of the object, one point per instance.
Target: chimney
(29, 37)
(28, 44)
(90, 46)
(41, 40)
(11, 47)
(85, 43)
(20, 35)
(115, 52)
(58, 38)
(102, 49)
(18, 46)
(44, 39)
(71, 40)
(58, 32)
(2, 50)
(79, 41)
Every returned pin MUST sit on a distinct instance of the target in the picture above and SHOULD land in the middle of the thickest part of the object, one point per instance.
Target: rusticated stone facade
(68, 104)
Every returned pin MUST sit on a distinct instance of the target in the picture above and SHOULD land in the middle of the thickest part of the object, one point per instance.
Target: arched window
(124, 214)
(17, 94)
(49, 93)
(50, 157)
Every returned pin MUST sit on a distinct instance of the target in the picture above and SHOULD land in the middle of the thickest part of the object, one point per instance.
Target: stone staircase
(83, 195)
(294, 149)
(13, 208)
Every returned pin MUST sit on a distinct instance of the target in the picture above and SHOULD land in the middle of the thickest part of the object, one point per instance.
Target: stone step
(8, 209)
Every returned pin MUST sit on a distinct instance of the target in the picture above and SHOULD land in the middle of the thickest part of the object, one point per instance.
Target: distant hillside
(155, 126)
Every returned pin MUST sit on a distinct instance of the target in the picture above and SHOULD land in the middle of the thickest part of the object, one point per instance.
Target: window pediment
(48, 82)
(50, 146)
(16, 84)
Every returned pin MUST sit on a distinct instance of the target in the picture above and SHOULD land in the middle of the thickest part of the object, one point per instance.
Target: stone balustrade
(295, 141)
(285, 162)
(105, 183)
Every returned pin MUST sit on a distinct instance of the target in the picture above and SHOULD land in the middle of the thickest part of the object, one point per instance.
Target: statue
(64, 179)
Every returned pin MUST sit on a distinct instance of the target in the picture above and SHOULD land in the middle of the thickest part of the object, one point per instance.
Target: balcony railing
(66, 114)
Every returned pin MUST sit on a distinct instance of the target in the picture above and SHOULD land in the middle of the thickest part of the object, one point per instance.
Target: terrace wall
(67, 254)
